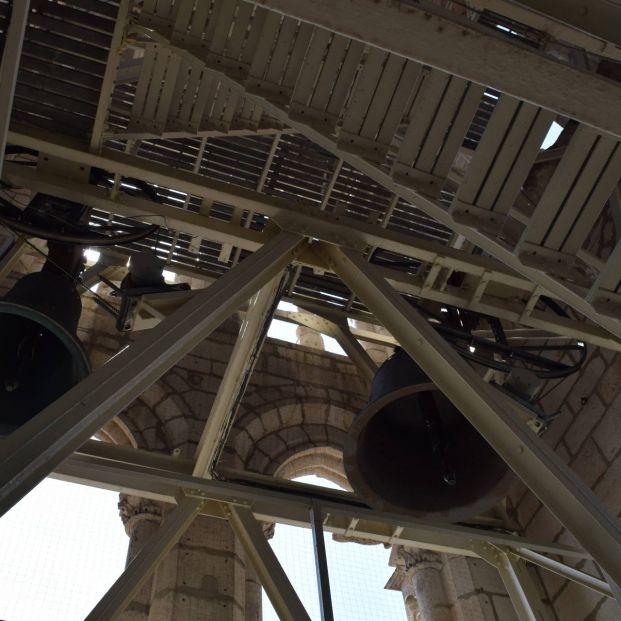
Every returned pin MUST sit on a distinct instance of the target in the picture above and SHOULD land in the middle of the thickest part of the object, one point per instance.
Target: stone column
(309, 337)
(203, 577)
(377, 353)
(423, 587)
(141, 518)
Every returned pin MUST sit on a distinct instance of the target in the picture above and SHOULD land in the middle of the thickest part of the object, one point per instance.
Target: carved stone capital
(133, 509)
(415, 558)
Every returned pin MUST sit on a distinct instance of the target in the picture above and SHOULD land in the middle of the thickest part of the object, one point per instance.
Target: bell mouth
(39, 361)
(391, 462)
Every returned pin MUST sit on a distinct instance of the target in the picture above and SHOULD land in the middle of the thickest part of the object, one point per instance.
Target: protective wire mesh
(357, 573)
(62, 546)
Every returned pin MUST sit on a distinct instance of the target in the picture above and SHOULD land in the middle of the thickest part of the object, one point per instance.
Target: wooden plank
(345, 78)
(447, 110)
(524, 161)
(505, 157)
(559, 186)
(364, 89)
(170, 81)
(329, 73)
(459, 127)
(280, 56)
(386, 88)
(408, 82)
(190, 94)
(199, 20)
(223, 26)
(269, 32)
(239, 31)
(155, 87)
(254, 35)
(590, 211)
(312, 63)
(296, 58)
(422, 113)
(486, 151)
(146, 71)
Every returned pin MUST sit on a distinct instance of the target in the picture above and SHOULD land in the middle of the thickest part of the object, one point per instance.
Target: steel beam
(551, 286)
(452, 43)
(160, 477)
(597, 17)
(544, 472)
(273, 578)
(565, 571)
(563, 27)
(520, 587)
(10, 258)
(37, 447)
(337, 229)
(107, 84)
(9, 67)
(321, 563)
(120, 594)
(233, 384)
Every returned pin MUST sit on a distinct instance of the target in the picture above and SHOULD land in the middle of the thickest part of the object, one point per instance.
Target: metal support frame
(160, 477)
(551, 285)
(273, 578)
(327, 227)
(452, 43)
(9, 67)
(546, 475)
(8, 260)
(321, 563)
(107, 84)
(565, 571)
(120, 594)
(37, 447)
(517, 581)
(233, 383)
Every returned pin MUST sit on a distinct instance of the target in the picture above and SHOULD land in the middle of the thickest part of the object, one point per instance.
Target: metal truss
(504, 293)
(49, 442)
(450, 42)
(264, 498)
(533, 257)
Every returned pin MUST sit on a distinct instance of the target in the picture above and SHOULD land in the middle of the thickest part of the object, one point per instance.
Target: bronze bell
(411, 451)
(40, 357)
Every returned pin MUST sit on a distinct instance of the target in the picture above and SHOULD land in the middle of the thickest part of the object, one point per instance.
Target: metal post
(356, 352)
(519, 584)
(321, 563)
(107, 84)
(114, 602)
(563, 570)
(8, 261)
(273, 578)
(9, 67)
(234, 381)
(37, 447)
(548, 477)
(615, 588)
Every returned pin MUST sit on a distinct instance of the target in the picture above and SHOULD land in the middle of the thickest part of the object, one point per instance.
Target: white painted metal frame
(546, 475)
(120, 594)
(9, 67)
(33, 451)
(331, 228)
(233, 383)
(452, 43)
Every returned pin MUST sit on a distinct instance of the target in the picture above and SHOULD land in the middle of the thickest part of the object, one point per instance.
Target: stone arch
(117, 432)
(322, 461)
(266, 440)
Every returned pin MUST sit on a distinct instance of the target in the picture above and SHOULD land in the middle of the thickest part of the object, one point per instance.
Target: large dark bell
(40, 355)
(410, 451)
